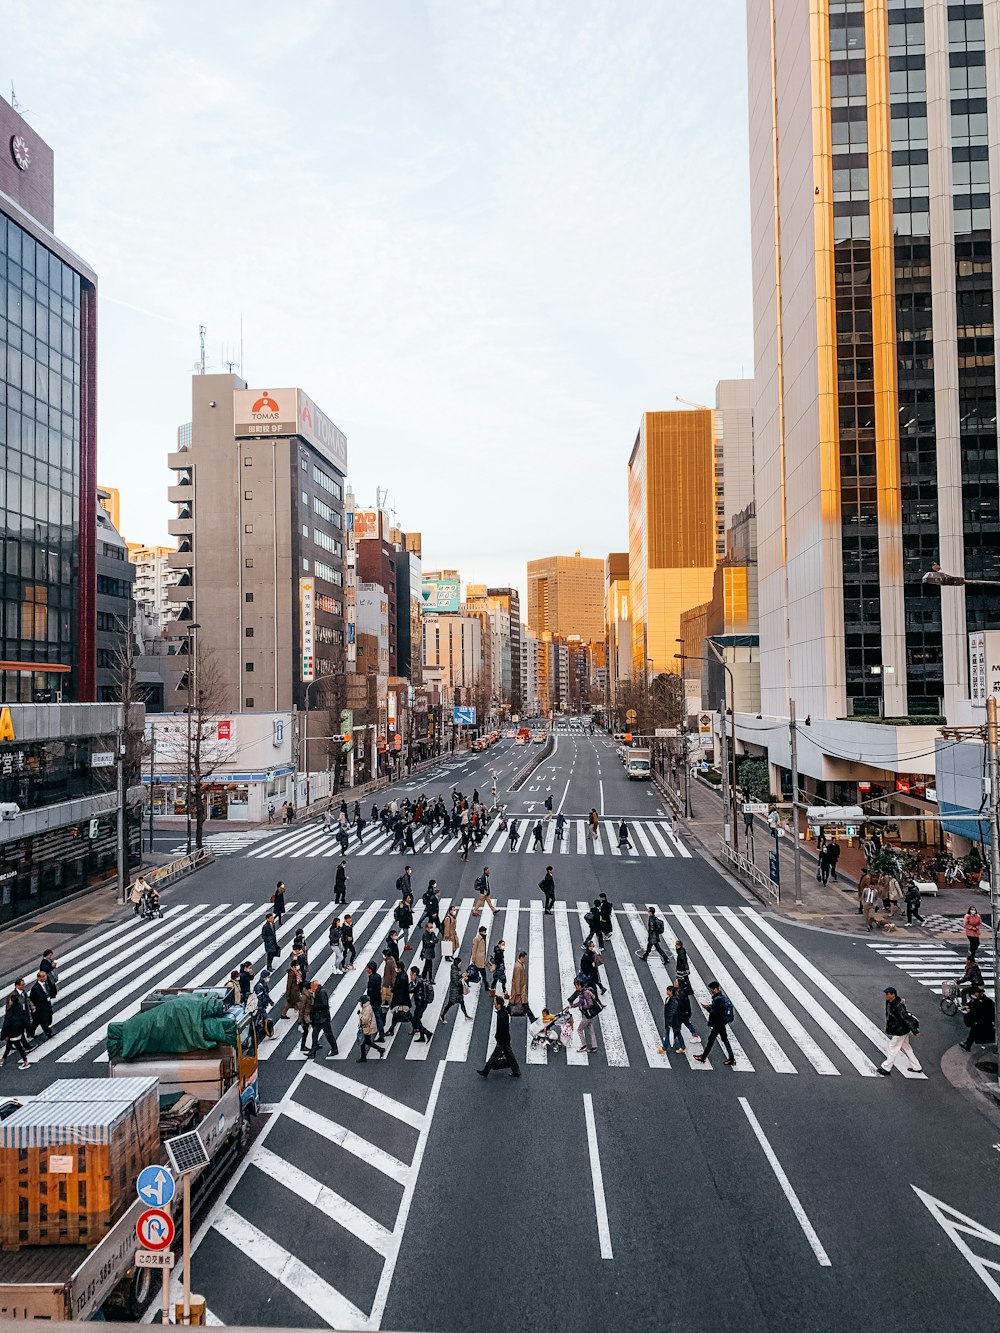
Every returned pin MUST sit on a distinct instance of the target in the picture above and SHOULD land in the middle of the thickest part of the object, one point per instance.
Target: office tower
(115, 604)
(566, 596)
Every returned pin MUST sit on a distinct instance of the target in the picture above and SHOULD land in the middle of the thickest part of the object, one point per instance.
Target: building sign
(440, 594)
(307, 616)
(365, 523)
(273, 412)
(903, 786)
(392, 710)
(984, 664)
(6, 726)
(224, 730)
(704, 724)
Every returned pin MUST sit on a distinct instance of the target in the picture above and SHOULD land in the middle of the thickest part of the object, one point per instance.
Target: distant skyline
(483, 237)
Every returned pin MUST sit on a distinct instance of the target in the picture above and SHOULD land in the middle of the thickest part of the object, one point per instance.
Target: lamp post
(191, 696)
(318, 680)
(731, 786)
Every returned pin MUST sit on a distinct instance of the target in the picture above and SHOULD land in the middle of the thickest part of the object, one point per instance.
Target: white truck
(637, 763)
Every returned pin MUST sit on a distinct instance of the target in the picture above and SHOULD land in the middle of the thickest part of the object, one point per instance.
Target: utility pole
(727, 807)
(796, 848)
(121, 775)
(152, 782)
(993, 757)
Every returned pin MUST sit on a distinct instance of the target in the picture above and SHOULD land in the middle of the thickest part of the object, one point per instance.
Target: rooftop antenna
(15, 104)
(241, 344)
(201, 337)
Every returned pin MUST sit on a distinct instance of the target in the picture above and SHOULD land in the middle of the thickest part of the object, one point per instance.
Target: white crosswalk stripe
(650, 838)
(931, 963)
(790, 1019)
(228, 842)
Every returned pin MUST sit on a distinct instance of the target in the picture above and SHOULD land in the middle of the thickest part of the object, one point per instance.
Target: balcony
(178, 594)
(180, 527)
(179, 458)
(180, 560)
(180, 495)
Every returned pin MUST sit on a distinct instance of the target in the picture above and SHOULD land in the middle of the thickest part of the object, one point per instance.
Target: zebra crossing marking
(228, 841)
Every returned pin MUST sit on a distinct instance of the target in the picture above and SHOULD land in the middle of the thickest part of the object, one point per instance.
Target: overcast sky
(484, 235)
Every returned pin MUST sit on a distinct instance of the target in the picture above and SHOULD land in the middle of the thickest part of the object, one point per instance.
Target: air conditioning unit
(8, 810)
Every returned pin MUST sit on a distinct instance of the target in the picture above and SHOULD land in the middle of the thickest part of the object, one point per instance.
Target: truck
(204, 1085)
(637, 763)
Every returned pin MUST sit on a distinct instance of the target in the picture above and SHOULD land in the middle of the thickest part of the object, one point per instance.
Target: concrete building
(531, 703)
(115, 605)
(409, 611)
(260, 497)
(48, 383)
(734, 449)
(617, 603)
(501, 639)
(566, 596)
(110, 500)
(376, 565)
(453, 657)
(153, 580)
(673, 518)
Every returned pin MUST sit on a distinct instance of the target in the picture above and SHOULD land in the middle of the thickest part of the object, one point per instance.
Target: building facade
(617, 603)
(115, 607)
(733, 449)
(154, 578)
(48, 425)
(566, 596)
(453, 657)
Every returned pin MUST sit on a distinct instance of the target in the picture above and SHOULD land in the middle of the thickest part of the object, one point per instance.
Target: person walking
(359, 826)
(590, 963)
(498, 968)
(871, 900)
(823, 869)
(428, 831)
(547, 885)
(421, 993)
(432, 905)
(293, 987)
(912, 900)
(483, 894)
(278, 902)
(16, 1022)
(595, 924)
(428, 949)
(537, 833)
(402, 1001)
(320, 1021)
(48, 966)
(305, 1008)
(269, 935)
(456, 989)
(584, 1000)
(654, 933)
(368, 1028)
(135, 896)
(593, 824)
(340, 884)
(336, 933)
(373, 989)
(390, 966)
(548, 807)
(684, 989)
(347, 944)
(720, 1015)
(450, 933)
(624, 837)
(980, 1019)
(519, 989)
(607, 910)
(502, 1054)
(513, 834)
(972, 924)
(676, 1012)
(560, 826)
(41, 1007)
(478, 958)
(270, 812)
(900, 1026)
(833, 856)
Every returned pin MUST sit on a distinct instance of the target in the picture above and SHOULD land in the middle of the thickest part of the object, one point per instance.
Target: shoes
(361, 1060)
(581, 1050)
(729, 1062)
(695, 1037)
(381, 1051)
(661, 1050)
(330, 1055)
(444, 1021)
(884, 1072)
(23, 1065)
(699, 1058)
(680, 1050)
(483, 1073)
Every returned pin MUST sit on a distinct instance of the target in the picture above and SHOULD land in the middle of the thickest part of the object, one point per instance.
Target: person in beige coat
(389, 970)
(305, 1014)
(478, 958)
(450, 933)
(519, 988)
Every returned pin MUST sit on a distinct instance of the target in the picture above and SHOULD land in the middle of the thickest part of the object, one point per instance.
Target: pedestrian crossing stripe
(791, 1018)
(228, 842)
(648, 838)
(930, 963)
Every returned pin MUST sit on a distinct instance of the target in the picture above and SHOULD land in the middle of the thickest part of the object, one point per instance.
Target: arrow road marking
(954, 1224)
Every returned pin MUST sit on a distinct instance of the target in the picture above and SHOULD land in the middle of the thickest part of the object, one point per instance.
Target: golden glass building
(672, 530)
(566, 596)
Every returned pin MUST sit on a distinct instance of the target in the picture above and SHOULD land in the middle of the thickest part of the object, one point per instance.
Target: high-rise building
(509, 601)
(531, 703)
(617, 602)
(376, 563)
(110, 500)
(115, 605)
(733, 451)
(153, 580)
(566, 596)
(260, 523)
(673, 520)
(48, 425)
(453, 657)
(875, 216)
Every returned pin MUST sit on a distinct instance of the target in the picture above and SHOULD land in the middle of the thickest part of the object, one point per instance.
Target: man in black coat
(502, 1046)
(980, 1018)
(269, 934)
(373, 985)
(41, 1007)
(676, 1012)
(320, 1020)
(548, 887)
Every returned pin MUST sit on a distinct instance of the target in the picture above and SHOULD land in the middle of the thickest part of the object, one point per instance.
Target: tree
(754, 777)
(207, 751)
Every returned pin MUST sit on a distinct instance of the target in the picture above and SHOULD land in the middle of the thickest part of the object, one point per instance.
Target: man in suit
(41, 1007)
(502, 1047)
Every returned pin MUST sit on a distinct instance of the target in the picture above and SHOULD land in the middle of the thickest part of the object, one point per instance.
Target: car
(539, 738)
(511, 733)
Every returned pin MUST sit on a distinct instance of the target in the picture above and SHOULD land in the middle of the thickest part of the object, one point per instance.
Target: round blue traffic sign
(155, 1186)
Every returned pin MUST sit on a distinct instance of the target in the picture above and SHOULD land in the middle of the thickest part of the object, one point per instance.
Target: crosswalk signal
(95, 828)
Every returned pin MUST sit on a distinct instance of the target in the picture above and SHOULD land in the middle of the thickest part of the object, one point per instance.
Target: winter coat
(972, 923)
(897, 1018)
(677, 1010)
(366, 1017)
(270, 937)
(293, 987)
(17, 1017)
(374, 988)
(502, 1033)
(479, 952)
(519, 983)
(279, 902)
(428, 945)
(682, 960)
(980, 1020)
(305, 1007)
(451, 932)
(320, 1008)
(41, 1005)
(717, 1012)
(389, 972)
(401, 991)
(456, 986)
(606, 910)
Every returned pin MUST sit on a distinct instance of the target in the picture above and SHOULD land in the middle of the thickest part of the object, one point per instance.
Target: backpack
(482, 884)
(728, 1012)
(657, 925)
(427, 990)
(402, 884)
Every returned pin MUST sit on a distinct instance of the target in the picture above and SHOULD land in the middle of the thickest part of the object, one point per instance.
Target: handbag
(473, 973)
(501, 1060)
(518, 1010)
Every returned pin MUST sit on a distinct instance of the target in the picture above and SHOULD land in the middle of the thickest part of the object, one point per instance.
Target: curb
(548, 749)
(959, 1069)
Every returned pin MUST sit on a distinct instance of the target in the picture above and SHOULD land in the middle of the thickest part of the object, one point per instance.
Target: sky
(484, 236)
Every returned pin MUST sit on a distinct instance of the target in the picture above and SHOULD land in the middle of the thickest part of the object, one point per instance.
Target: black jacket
(321, 1008)
(717, 1012)
(347, 935)
(607, 918)
(41, 1004)
(17, 1018)
(588, 967)
(341, 875)
(456, 987)
(374, 988)
(270, 937)
(898, 1021)
(677, 1010)
(682, 960)
(980, 1019)
(547, 884)
(401, 990)
(503, 1027)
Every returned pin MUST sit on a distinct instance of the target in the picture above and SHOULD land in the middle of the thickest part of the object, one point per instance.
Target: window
(248, 597)
(328, 484)
(305, 529)
(305, 499)
(248, 527)
(248, 495)
(325, 571)
(248, 461)
(248, 562)
(330, 515)
(248, 666)
(305, 565)
(249, 631)
(305, 462)
(248, 703)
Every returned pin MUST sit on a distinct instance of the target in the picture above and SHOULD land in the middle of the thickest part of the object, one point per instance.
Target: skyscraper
(566, 596)
(873, 194)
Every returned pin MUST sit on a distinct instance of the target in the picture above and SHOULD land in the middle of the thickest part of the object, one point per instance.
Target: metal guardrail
(761, 884)
(525, 773)
(184, 865)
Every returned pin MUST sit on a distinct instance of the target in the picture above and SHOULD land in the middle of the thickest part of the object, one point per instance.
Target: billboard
(365, 523)
(463, 717)
(307, 620)
(440, 594)
(273, 412)
(984, 664)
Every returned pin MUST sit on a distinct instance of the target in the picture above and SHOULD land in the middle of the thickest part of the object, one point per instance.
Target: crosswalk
(930, 962)
(648, 838)
(228, 842)
(791, 1017)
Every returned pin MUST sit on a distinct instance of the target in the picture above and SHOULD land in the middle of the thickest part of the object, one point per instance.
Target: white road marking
(353, 1143)
(536, 978)
(420, 1050)
(610, 1028)
(601, 811)
(362, 1092)
(461, 1035)
(644, 1020)
(509, 937)
(327, 1201)
(699, 990)
(786, 1187)
(567, 972)
(956, 1225)
(600, 1203)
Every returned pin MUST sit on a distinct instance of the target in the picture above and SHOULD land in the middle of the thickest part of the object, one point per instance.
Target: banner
(307, 615)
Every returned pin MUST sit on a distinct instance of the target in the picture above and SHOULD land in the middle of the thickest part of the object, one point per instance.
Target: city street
(627, 1186)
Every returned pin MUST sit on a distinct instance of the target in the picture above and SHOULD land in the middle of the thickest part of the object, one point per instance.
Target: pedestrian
(823, 869)
(320, 1020)
(684, 988)
(548, 807)
(871, 900)
(278, 903)
(451, 932)
(676, 1011)
(305, 1008)
(408, 845)
(457, 987)
(833, 856)
(980, 1019)
(343, 838)
(537, 833)
(392, 944)
(359, 827)
(269, 935)
(347, 944)
(340, 884)
(135, 896)
(595, 924)
(913, 903)
(421, 993)
(432, 905)
(270, 812)
(498, 968)
(590, 963)
(48, 966)
(478, 959)
(560, 826)
(502, 1056)
(514, 833)
(593, 823)
(624, 836)
(290, 814)
(589, 1006)
(894, 894)
(336, 932)
(428, 949)
(293, 987)
(973, 924)
(373, 991)
(654, 933)
(41, 1007)
(483, 893)
(401, 1002)
(519, 1005)
(900, 1026)
(245, 979)
(16, 1022)
(368, 1032)
(547, 885)
(720, 1015)
(428, 828)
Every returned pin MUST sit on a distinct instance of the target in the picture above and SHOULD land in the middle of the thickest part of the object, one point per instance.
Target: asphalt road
(414, 1195)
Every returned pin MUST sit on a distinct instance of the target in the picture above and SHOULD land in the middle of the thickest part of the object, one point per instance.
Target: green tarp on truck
(180, 1024)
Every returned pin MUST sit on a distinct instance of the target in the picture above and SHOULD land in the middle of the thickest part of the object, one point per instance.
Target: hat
(889, 990)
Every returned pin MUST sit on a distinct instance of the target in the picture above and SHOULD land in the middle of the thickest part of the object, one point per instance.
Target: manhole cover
(65, 927)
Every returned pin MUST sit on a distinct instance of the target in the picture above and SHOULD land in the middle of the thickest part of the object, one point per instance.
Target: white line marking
(567, 972)
(785, 1183)
(954, 1222)
(644, 1020)
(536, 1055)
(614, 1042)
(601, 812)
(327, 1201)
(600, 1203)
(353, 1143)
(699, 992)
(363, 1093)
(564, 795)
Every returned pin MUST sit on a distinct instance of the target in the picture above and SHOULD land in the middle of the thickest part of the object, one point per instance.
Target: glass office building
(47, 435)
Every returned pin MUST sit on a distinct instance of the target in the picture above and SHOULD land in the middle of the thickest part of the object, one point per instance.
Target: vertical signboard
(977, 665)
(307, 619)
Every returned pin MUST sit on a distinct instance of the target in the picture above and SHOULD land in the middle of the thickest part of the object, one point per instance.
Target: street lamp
(318, 680)
(937, 578)
(192, 658)
(731, 792)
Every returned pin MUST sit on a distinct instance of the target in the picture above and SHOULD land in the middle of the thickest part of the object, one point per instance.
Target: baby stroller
(149, 906)
(552, 1031)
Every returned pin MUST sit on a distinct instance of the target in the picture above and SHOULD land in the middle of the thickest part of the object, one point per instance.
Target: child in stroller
(149, 906)
(552, 1030)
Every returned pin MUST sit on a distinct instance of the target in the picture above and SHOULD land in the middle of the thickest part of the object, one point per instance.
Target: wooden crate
(103, 1144)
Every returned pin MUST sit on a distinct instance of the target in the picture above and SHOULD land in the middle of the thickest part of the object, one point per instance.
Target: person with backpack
(589, 1006)
(548, 807)
(368, 1033)
(547, 885)
(595, 924)
(654, 933)
(900, 1026)
(432, 905)
(720, 1016)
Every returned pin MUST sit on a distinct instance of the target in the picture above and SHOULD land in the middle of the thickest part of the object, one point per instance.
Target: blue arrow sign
(155, 1186)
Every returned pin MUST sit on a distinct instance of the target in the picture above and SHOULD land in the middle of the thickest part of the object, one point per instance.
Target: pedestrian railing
(184, 865)
(761, 884)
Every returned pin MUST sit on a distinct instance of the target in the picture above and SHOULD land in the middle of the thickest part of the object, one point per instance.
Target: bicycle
(949, 998)
(954, 874)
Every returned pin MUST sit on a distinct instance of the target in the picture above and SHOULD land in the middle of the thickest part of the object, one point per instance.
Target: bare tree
(208, 750)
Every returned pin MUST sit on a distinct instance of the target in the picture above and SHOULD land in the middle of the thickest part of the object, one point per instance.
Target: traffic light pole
(993, 759)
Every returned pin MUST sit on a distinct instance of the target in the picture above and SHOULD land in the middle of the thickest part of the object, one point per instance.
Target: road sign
(154, 1258)
(774, 868)
(631, 715)
(755, 807)
(155, 1229)
(667, 733)
(155, 1186)
(851, 830)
